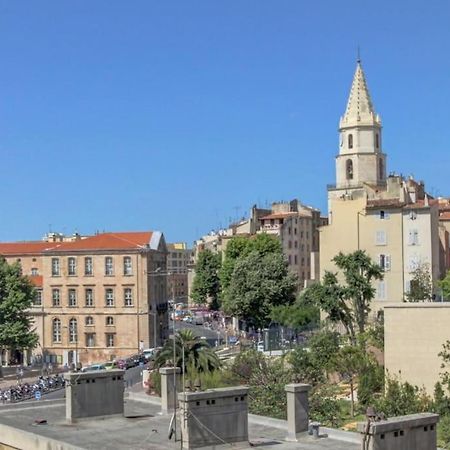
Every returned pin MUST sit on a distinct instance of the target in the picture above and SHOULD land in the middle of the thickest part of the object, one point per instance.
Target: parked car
(111, 365)
(93, 367)
(137, 359)
(121, 364)
(188, 319)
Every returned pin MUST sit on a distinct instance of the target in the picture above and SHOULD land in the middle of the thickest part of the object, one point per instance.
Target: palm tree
(198, 355)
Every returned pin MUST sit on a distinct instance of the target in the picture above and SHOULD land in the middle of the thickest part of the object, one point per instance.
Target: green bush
(443, 431)
(267, 394)
(371, 384)
(324, 405)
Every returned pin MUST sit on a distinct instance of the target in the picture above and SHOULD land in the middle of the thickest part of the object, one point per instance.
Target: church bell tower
(360, 159)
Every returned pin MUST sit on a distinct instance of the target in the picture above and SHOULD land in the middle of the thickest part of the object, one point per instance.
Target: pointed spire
(360, 109)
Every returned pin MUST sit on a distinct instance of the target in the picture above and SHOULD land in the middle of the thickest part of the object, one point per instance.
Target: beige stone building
(179, 262)
(99, 297)
(390, 217)
(414, 335)
(294, 224)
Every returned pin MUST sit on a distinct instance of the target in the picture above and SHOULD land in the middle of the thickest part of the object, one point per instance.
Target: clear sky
(179, 115)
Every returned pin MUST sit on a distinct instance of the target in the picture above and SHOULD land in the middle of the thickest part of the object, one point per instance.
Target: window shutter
(387, 262)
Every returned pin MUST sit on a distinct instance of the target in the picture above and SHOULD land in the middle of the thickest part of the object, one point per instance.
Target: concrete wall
(413, 432)
(94, 394)
(414, 334)
(214, 417)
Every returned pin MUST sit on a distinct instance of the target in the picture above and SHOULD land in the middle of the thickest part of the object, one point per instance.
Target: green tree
(421, 287)
(348, 304)
(198, 355)
(206, 285)
(16, 297)
(444, 284)
(349, 362)
(259, 283)
(301, 314)
(239, 247)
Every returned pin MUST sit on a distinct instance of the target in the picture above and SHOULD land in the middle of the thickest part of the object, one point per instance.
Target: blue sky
(179, 115)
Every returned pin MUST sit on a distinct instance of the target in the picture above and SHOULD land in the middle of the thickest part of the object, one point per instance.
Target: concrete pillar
(169, 388)
(297, 409)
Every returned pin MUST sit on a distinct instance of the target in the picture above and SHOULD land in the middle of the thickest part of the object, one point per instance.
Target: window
(73, 331)
(380, 238)
(56, 297)
(109, 297)
(71, 266)
(38, 298)
(109, 338)
(128, 297)
(56, 330)
(109, 266)
(295, 244)
(90, 339)
(88, 266)
(55, 267)
(380, 169)
(295, 259)
(381, 290)
(290, 230)
(413, 237)
(290, 244)
(385, 262)
(109, 321)
(89, 297)
(349, 169)
(127, 267)
(301, 234)
(413, 263)
(350, 141)
(377, 140)
(295, 230)
(289, 259)
(34, 272)
(89, 321)
(303, 261)
(384, 215)
(72, 297)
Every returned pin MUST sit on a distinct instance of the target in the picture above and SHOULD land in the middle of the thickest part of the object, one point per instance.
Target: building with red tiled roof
(98, 297)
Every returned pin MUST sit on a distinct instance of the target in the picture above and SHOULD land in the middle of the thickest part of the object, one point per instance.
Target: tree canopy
(421, 286)
(260, 281)
(206, 285)
(348, 304)
(16, 296)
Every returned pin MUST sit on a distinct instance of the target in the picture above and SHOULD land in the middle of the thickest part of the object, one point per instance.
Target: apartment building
(179, 262)
(294, 224)
(98, 297)
(390, 217)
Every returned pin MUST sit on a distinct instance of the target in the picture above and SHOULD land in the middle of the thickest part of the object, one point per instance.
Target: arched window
(56, 330)
(73, 332)
(377, 140)
(350, 141)
(349, 169)
(380, 169)
(109, 320)
(89, 320)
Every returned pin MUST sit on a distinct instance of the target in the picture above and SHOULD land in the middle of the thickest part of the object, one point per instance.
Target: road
(211, 335)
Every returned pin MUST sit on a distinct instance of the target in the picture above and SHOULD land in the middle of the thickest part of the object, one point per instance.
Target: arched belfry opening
(349, 169)
(350, 141)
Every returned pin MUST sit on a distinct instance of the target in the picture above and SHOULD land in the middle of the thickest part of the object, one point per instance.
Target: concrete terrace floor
(142, 428)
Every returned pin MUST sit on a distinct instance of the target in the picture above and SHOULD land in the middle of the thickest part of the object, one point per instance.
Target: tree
(16, 297)
(421, 287)
(313, 364)
(206, 285)
(445, 286)
(349, 362)
(348, 304)
(240, 246)
(302, 313)
(198, 355)
(259, 282)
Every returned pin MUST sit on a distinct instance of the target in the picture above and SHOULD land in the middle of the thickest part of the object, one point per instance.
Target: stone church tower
(360, 160)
